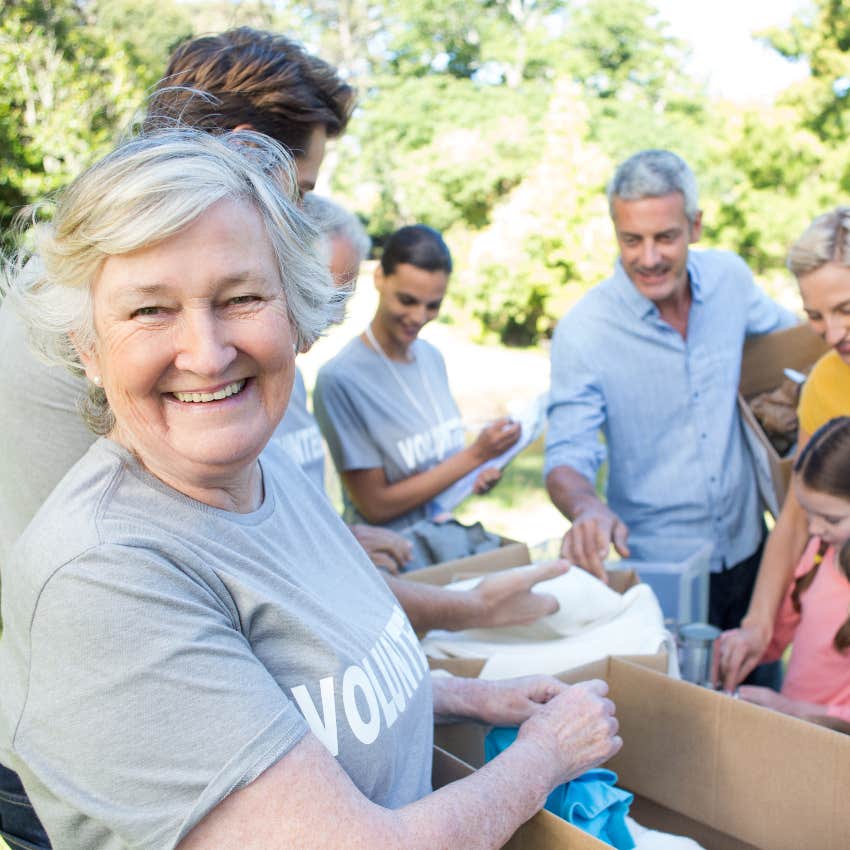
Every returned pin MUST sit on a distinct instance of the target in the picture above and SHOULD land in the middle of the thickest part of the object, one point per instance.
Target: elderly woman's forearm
(479, 812)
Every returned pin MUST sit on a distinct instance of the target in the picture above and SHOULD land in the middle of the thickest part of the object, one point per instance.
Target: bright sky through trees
(725, 53)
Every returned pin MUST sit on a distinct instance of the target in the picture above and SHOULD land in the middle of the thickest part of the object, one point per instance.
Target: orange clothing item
(817, 671)
(826, 393)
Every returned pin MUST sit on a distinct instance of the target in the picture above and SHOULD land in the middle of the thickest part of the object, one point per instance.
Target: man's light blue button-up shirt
(679, 468)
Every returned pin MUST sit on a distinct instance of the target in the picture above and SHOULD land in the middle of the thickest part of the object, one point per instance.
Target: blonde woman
(820, 260)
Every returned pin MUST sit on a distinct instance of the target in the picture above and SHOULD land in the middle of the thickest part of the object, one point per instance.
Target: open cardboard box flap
(504, 558)
(729, 774)
(766, 356)
(763, 361)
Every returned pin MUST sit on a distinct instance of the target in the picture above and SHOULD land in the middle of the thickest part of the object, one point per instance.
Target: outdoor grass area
(518, 506)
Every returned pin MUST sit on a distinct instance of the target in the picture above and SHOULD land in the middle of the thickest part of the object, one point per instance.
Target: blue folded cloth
(591, 802)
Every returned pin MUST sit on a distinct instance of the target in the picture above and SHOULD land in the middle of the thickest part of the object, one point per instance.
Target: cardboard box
(510, 555)
(762, 364)
(731, 775)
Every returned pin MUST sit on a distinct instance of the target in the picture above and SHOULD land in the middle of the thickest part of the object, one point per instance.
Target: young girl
(814, 613)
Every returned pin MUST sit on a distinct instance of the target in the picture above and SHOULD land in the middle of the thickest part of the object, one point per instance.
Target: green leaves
(71, 81)
(496, 121)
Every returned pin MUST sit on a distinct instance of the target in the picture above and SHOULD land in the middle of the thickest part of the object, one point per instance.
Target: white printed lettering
(387, 703)
(325, 731)
(432, 445)
(380, 687)
(391, 682)
(405, 448)
(364, 730)
(400, 667)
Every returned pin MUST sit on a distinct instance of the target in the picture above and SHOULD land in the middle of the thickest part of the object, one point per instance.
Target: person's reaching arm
(502, 599)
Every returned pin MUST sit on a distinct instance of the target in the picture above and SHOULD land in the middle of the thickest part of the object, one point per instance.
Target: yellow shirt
(826, 393)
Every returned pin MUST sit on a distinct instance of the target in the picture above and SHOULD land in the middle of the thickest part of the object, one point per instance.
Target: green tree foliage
(820, 36)
(496, 121)
(768, 173)
(619, 51)
(776, 168)
(439, 150)
(71, 79)
(549, 239)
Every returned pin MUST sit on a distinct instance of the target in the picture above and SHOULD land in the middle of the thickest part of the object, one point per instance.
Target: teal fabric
(591, 802)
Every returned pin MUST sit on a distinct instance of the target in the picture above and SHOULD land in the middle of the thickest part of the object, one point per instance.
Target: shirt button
(704, 436)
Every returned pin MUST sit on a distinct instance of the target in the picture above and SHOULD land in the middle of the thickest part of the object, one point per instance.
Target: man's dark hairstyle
(247, 76)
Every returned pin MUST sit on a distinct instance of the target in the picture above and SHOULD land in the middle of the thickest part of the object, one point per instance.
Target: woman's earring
(96, 380)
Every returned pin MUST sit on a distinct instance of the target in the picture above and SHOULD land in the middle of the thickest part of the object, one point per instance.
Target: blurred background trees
(496, 121)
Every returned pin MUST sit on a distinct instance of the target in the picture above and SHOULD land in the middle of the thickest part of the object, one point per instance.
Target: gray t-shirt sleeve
(343, 424)
(156, 727)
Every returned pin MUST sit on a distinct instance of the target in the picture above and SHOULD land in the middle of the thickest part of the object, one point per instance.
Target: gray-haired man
(652, 357)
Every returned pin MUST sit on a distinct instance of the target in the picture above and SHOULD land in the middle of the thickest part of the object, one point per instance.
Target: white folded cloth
(593, 622)
(584, 601)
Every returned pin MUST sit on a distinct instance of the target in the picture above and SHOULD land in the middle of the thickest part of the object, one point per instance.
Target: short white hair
(148, 189)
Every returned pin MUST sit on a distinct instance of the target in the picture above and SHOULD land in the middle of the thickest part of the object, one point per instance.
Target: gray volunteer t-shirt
(159, 653)
(42, 434)
(299, 436)
(369, 421)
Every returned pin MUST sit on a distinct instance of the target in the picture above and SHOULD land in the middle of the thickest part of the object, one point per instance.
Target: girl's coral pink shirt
(817, 671)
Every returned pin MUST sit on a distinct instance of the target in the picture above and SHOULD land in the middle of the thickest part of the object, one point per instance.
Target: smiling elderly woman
(196, 652)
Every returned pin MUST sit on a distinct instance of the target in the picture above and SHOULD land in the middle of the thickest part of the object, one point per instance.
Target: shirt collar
(640, 304)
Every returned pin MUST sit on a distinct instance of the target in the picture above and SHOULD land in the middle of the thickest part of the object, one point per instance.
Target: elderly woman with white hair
(196, 653)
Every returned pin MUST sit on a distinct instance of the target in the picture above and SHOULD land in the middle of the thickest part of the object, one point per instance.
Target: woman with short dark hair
(384, 402)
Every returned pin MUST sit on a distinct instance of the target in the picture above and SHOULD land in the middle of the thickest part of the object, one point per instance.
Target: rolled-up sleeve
(576, 408)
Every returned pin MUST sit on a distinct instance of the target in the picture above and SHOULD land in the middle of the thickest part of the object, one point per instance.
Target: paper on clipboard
(532, 418)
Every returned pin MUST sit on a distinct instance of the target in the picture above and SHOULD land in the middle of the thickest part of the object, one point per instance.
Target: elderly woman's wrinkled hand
(574, 731)
(510, 702)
